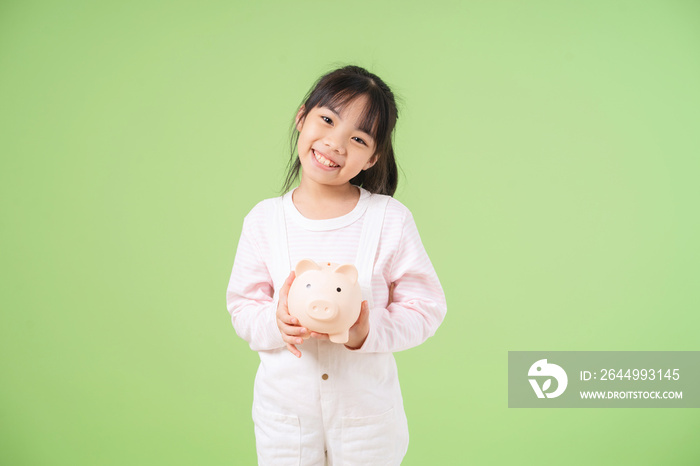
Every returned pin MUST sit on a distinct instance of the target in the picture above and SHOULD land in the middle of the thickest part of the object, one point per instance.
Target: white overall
(333, 405)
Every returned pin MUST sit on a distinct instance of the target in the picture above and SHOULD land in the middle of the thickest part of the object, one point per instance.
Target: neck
(323, 192)
(318, 202)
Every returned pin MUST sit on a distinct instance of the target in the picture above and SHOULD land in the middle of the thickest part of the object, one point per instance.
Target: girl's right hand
(292, 332)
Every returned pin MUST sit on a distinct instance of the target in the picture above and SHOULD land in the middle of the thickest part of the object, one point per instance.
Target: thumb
(284, 291)
(364, 310)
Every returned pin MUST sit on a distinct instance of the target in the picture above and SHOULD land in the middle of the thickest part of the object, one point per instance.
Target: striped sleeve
(249, 295)
(418, 306)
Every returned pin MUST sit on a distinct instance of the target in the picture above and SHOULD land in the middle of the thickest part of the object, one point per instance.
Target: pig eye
(338, 290)
(308, 285)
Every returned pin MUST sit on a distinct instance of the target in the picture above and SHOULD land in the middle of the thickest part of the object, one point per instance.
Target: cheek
(307, 136)
(304, 143)
(363, 159)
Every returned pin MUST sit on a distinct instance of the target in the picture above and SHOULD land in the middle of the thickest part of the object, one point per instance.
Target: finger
(292, 339)
(293, 349)
(320, 336)
(284, 316)
(293, 330)
(284, 291)
(363, 317)
(283, 313)
(364, 312)
(282, 307)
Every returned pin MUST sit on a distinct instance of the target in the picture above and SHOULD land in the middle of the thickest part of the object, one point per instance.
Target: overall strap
(369, 242)
(280, 265)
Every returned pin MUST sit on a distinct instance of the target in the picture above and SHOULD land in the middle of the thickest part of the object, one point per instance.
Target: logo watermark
(543, 369)
(604, 379)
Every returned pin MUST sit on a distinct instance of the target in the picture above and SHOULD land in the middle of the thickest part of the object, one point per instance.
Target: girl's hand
(292, 332)
(357, 333)
(360, 330)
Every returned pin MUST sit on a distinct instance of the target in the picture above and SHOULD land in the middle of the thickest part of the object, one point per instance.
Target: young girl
(316, 401)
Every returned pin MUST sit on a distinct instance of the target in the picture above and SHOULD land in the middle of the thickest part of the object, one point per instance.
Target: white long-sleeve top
(345, 402)
(418, 305)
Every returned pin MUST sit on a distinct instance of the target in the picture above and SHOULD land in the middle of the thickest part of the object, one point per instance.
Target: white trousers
(287, 439)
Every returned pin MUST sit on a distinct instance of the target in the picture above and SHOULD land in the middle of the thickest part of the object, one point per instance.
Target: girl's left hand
(358, 332)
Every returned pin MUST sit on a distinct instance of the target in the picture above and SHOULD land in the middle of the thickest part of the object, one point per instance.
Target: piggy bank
(326, 298)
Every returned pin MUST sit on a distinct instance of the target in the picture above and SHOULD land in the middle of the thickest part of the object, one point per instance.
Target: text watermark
(604, 379)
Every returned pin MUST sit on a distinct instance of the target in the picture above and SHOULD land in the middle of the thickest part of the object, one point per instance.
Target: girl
(315, 401)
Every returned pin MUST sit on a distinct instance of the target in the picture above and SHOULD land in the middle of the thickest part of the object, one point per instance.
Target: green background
(548, 150)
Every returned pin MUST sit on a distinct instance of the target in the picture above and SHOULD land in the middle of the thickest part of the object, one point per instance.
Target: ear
(349, 271)
(299, 121)
(370, 163)
(305, 265)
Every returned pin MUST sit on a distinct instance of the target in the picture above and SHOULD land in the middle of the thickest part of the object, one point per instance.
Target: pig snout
(322, 310)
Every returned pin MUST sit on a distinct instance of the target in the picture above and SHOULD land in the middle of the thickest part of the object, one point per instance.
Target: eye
(326, 119)
(361, 141)
(338, 289)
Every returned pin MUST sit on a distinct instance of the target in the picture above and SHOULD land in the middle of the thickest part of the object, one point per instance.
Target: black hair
(337, 89)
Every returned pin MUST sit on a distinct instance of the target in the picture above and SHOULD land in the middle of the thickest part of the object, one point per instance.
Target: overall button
(324, 376)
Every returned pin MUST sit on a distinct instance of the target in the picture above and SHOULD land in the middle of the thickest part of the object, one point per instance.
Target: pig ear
(305, 265)
(349, 271)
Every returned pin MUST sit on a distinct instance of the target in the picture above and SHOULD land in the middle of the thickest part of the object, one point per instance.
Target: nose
(333, 142)
(322, 310)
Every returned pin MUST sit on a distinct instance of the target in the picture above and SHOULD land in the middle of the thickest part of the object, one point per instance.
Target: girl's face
(332, 148)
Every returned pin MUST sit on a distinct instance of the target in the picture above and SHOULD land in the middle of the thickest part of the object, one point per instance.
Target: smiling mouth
(323, 161)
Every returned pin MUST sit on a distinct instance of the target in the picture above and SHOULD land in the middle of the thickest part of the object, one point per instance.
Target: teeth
(321, 159)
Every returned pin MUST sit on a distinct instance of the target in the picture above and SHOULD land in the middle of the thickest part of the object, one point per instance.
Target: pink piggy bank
(325, 298)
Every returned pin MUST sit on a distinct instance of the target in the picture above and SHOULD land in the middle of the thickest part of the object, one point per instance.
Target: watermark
(604, 379)
(542, 369)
